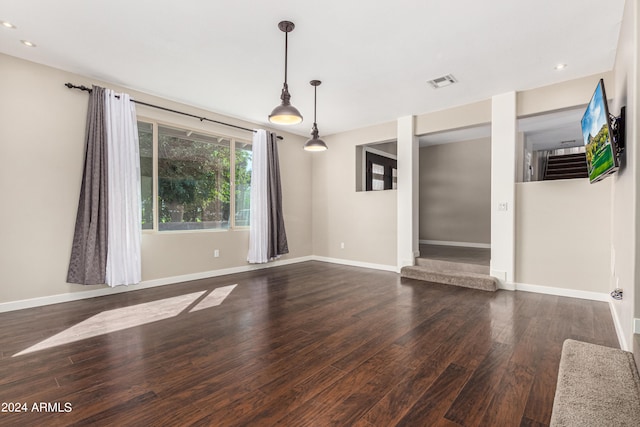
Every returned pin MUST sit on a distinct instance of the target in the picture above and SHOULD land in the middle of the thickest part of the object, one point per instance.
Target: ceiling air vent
(442, 81)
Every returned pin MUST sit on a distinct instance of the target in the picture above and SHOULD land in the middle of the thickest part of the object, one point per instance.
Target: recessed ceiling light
(560, 67)
(27, 43)
(8, 25)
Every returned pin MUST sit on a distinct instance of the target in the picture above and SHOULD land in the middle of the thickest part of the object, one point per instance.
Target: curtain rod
(202, 119)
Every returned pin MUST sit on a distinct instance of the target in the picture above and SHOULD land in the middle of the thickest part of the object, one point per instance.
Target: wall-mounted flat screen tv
(602, 155)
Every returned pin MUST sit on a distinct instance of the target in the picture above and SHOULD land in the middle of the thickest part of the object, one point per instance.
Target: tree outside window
(194, 180)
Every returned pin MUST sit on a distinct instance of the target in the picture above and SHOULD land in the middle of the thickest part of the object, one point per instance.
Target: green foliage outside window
(194, 180)
(145, 136)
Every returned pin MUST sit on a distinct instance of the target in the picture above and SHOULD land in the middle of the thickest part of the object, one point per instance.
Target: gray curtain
(88, 262)
(277, 234)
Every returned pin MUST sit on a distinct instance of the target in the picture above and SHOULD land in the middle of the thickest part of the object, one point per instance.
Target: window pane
(377, 177)
(193, 180)
(243, 184)
(145, 137)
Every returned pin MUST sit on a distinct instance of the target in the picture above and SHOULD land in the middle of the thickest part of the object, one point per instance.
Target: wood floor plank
(355, 393)
(556, 327)
(509, 402)
(474, 399)
(304, 344)
(279, 403)
(462, 346)
(398, 401)
(433, 404)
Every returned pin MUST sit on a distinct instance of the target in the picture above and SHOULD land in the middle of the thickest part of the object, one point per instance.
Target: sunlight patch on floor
(132, 316)
(214, 298)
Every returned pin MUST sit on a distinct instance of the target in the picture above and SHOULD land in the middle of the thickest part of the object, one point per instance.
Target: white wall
(470, 115)
(408, 192)
(568, 94)
(365, 221)
(503, 175)
(555, 205)
(624, 229)
(562, 234)
(42, 125)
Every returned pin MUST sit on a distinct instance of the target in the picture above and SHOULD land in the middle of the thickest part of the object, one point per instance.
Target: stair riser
(469, 280)
(437, 265)
(568, 166)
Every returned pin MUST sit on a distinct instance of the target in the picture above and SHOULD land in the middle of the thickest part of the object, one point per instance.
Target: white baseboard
(460, 244)
(618, 325)
(562, 292)
(75, 296)
(356, 263)
(573, 293)
(507, 286)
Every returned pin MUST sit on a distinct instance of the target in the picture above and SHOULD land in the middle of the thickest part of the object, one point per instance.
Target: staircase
(451, 273)
(566, 166)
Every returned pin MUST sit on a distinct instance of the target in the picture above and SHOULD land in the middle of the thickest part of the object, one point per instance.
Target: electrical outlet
(216, 253)
(341, 245)
(503, 206)
(616, 294)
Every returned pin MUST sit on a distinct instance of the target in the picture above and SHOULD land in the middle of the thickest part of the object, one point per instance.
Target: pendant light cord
(286, 50)
(315, 98)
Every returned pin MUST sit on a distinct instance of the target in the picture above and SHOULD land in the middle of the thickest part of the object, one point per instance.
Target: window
(381, 173)
(377, 166)
(194, 179)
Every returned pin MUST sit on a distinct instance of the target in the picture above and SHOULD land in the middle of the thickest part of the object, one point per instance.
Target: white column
(408, 193)
(503, 158)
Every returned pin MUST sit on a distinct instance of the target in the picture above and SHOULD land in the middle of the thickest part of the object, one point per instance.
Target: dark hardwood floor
(310, 344)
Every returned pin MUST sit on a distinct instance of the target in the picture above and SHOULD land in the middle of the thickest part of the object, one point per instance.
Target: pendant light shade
(285, 113)
(315, 143)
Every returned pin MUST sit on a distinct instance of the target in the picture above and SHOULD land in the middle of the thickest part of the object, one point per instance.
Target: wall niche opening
(377, 166)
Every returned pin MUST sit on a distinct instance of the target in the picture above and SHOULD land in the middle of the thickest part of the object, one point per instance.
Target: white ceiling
(374, 58)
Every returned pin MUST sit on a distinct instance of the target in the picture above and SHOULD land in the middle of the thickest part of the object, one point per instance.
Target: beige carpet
(597, 386)
(456, 278)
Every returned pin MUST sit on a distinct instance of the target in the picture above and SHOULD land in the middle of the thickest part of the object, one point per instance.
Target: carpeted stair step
(597, 386)
(456, 278)
(446, 266)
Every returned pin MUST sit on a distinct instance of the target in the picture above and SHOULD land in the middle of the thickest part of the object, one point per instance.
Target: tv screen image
(596, 131)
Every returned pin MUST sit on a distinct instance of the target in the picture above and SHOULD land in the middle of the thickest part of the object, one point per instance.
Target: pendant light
(285, 113)
(315, 143)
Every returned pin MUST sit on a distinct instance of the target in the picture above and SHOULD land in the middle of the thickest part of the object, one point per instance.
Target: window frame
(233, 140)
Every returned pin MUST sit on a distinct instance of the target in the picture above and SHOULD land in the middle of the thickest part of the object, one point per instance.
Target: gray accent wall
(455, 192)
